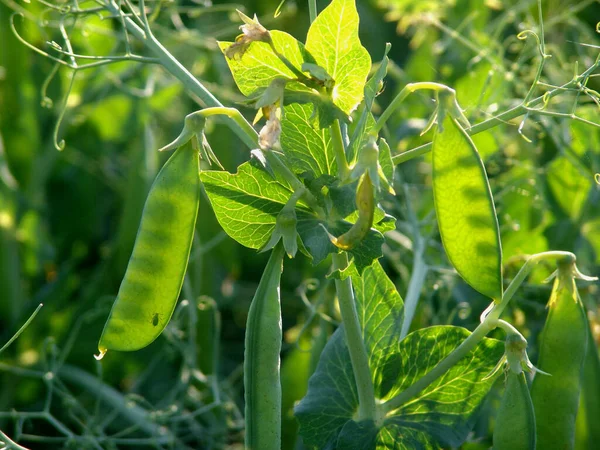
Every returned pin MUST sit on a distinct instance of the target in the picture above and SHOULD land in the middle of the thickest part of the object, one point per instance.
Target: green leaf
(465, 209)
(307, 149)
(259, 65)
(440, 415)
(247, 203)
(333, 41)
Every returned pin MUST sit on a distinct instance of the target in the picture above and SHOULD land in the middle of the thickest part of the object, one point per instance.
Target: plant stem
(5, 440)
(417, 279)
(405, 92)
(237, 117)
(489, 322)
(339, 151)
(354, 340)
(168, 61)
(312, 10)
(20, 330)
(506, 116)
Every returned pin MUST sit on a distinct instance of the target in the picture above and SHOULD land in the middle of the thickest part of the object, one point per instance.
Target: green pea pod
(515, 421)
(562, 354)
(465, 209)
(262, 383)
(154, 275)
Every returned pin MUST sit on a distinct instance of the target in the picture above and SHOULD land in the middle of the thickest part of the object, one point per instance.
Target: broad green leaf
(440, 415)
(247, 203)
(259, 65)
(307, 148)
(333, 41)
(465, 209)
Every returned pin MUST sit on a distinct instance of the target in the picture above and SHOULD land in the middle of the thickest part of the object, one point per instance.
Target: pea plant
(316, 184)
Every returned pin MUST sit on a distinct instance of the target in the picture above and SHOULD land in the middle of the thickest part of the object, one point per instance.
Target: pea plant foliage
(318, 172)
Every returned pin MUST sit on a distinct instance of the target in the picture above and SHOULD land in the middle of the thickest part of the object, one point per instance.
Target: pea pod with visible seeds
(515, 421)
(465, 209)
(262, 383)
(154, 275)
(562, 354)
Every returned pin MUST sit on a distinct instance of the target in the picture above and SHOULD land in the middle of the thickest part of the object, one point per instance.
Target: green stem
(542, 48)
(20, 330)
(415, 285)
(10, 444)
(312, 10)
(405, 92)
(238, 118)
(489, 322)
(339, 151)
(503, 118)
(354, 340)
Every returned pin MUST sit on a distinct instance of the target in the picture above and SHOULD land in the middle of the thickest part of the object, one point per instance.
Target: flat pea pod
(465, 209)
(562, 354)
(154, 275)
(262, 384)
(515, 421)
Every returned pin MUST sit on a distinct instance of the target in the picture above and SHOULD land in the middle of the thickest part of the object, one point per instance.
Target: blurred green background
(68, 219)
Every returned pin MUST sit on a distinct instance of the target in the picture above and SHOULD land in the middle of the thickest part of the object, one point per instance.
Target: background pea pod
(154, 275)
(261, 360)
(515, 421)
(562, 354)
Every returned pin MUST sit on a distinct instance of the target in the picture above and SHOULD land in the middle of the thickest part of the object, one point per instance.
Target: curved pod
(465, 209)
(154, 275)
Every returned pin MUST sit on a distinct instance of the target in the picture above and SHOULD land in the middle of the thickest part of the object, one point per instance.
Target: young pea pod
(154, 275)
(515, 421)
(365, 202)
(262, 383)
(562, 354)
